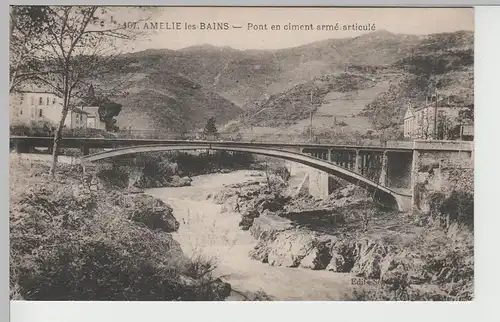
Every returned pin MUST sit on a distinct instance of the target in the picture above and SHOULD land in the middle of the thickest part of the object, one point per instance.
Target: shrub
(35, 128)
(457, 207)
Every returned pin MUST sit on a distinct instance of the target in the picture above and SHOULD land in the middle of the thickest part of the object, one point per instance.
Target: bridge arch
(384, 194)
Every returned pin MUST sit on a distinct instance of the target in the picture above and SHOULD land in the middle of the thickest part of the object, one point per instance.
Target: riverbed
(206, 230)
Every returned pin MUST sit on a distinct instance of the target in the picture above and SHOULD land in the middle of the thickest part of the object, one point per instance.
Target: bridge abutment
(319, 183)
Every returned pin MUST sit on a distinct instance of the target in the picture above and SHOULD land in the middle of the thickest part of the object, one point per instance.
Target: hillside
(244, 76)
(441, 63)
(163, 101)
(394, 68)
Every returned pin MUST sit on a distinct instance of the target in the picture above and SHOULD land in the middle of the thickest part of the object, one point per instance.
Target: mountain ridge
(246, 78)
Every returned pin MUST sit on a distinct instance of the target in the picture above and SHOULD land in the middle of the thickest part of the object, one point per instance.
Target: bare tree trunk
(57, 139)
(58, 135)
(13, 17)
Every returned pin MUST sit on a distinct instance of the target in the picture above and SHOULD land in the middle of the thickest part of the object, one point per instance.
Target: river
(207, 231)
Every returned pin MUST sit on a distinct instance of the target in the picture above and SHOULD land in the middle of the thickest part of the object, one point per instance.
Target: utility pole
(435, 116)
(311, 118)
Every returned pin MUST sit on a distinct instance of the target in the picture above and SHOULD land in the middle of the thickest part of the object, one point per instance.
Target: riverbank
(394, 256)
(76, 238)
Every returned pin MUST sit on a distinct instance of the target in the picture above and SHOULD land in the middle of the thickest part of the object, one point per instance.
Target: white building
(93, 120)
(433, 120)
(31, 106)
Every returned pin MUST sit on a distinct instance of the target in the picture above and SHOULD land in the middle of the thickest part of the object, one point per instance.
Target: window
(32, 100)
(32, 112)
(40, 101)
(40, 113)
(47, 101)
(54, 100)
(21, 111)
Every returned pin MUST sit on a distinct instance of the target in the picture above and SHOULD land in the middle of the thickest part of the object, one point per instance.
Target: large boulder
(152, 212)
(268, 226)
(318, 258)
(290, 247)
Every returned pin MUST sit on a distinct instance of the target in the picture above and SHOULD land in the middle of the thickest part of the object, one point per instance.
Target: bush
(457, 207)
(38, 128)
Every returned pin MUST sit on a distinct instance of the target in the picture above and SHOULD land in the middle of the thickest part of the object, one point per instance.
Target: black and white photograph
(170, 153)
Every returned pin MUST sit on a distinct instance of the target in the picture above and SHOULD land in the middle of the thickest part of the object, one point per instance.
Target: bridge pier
(383, 172)
(357, 162)
(319, 183)
(85, 150)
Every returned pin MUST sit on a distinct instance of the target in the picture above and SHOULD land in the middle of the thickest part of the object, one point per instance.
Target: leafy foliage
(36, 128)
(210, 127)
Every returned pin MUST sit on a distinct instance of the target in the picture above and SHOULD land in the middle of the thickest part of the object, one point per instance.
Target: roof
(78, 110)
(33, 88)
(90, 109)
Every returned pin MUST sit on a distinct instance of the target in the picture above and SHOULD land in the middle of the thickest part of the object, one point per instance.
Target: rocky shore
(402, 253)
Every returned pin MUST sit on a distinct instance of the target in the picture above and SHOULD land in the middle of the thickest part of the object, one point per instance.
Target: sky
(397, 20)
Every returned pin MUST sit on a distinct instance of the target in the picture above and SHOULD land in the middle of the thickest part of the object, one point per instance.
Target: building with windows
(93, 119)
(435, 120)
(28, 106)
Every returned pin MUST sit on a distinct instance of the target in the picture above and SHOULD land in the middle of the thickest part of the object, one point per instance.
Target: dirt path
(207, 231)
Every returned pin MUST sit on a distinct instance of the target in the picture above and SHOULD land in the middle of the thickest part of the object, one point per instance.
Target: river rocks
(268, 226)
(403, 265)
(152, 212)
(176, 181)
(165, 181)
(369, 255)
(260, 252)
(220, 289)
(134, 190)
(337, 263)
(318, 258)
(290, 247)
(247, 218)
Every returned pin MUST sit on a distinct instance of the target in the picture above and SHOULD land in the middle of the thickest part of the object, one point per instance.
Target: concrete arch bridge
(400, 200)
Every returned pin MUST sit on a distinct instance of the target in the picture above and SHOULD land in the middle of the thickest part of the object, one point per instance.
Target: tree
(466, 116)
(108, 110)
(78, 46)
(210, 127)
(28, 27)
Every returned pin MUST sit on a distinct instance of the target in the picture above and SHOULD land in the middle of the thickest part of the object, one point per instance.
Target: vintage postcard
(241, 153)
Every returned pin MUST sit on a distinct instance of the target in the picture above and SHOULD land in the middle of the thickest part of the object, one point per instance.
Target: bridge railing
(222, 136)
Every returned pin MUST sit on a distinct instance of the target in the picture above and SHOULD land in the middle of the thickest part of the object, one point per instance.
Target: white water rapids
(206, 230)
